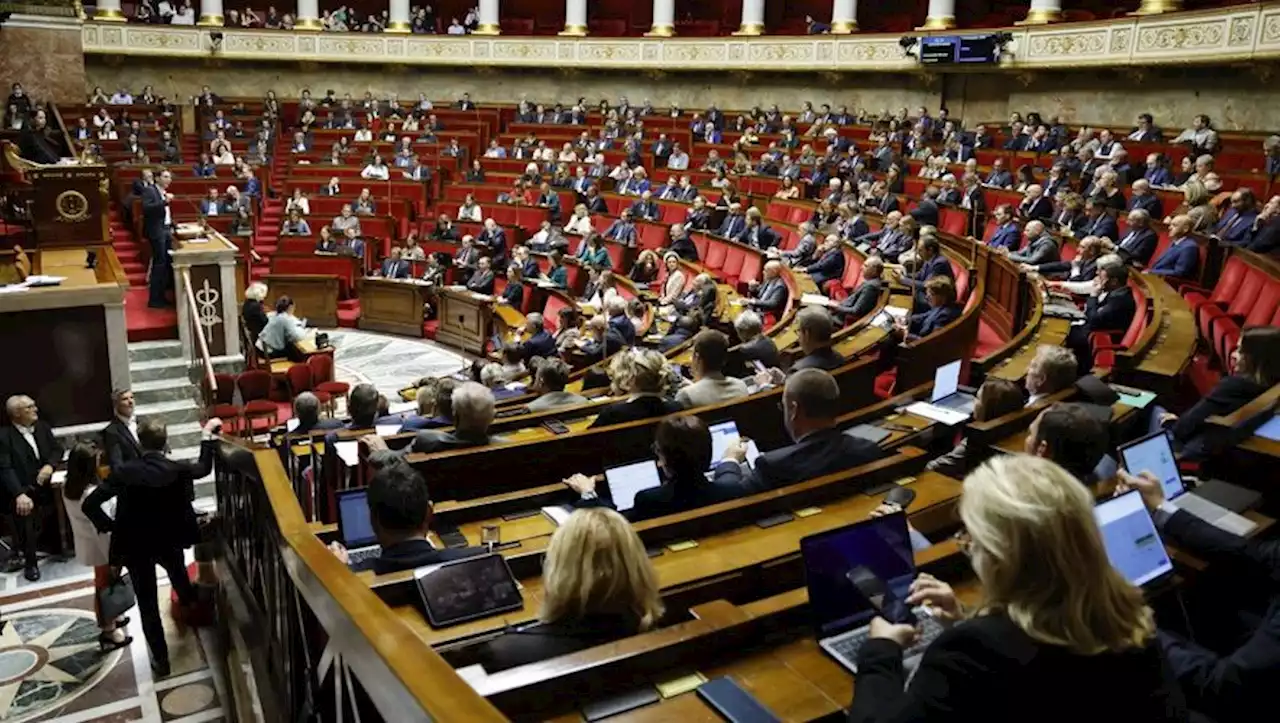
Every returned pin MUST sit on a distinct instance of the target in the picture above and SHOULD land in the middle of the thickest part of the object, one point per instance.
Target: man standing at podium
(157, 225)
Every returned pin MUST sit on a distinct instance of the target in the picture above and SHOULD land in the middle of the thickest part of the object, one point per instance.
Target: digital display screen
(838, 563)
(354, 519)
(1155, 455)
(468, 589)
(1129, 535)
(959, 49)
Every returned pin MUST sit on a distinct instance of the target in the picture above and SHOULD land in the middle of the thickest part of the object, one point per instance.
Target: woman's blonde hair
(638, 371)
(1195, 193)
(597, 565)
(1040, 556)
(256, 291)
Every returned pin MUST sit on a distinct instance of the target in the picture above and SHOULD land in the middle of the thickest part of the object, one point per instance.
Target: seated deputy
(400, 510)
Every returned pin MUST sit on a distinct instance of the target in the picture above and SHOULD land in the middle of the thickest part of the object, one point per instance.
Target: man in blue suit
(940, 292)
(756, 233)
(616, 307)
(394, 267)
(1143, 198)
(1099, 222)
(1109, 309)
(999, 176)
(1034, 205)
(1182, 258)
(540, 341)
(770, 295)
(623, 230)
(931, 263)
(830, 264)
(1007, 235)
(157, 226)
(1236, 226)
(1139, 242)
(733, 223)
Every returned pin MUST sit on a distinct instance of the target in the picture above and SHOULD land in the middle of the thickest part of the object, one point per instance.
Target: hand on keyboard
(935, 595)
(903, 635)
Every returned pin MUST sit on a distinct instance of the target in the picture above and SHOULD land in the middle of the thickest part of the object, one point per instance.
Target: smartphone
(881, 596)
(555, 426)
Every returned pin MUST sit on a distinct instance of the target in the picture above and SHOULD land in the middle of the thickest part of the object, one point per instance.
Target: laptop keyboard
(364, 554)
(848, 645)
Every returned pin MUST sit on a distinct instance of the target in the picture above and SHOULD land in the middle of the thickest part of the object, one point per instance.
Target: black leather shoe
(160, 669)
(32, 573)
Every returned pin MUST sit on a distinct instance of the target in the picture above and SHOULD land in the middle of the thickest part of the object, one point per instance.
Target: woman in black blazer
(598, 587)
(683, 446)
(642, 375)
(1256, 361)
(513, 294)
(1060, 635)
(254, 316)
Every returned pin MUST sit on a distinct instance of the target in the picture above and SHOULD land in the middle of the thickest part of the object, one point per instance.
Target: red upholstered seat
(299, 379)
(255, 390)
(751, 266)
(701, 243)
(885, 383)
(733, 260)
(716, 252)
(961, 274)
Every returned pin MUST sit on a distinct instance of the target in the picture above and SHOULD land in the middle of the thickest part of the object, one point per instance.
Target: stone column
(398, 17)
(118, 344)
(575, 18)
(308, 15)
(489, 18)
(109, 11)
(230, 310)
(942, 15)
(211, 13)
(844, 17)
(664, 19)
(752, 18)
(1156, 7)
(1043, 11)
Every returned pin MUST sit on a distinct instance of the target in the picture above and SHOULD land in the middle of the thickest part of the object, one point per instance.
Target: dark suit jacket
(771, 295)
(702, 300)
(513, 294)
(667, 499)
(1266, 239)
(1008, 236)
(645, 407)
(255, 318)
(1150, 203)
(924, 324)
(481, 282)
(1042, 209)
(154, 511)
(988, 669)
(817, 454)
(119, 444)
(1113, 314)
(861, 301)
(1103, 225)
(1181, 259)
(542, 641)
(761, 237)
(829, 266)
(821, 358)
(1137, 246)
(19, 465)
(428, 441)
(1230, 686)
(926, 213)
(412, 554)
(540, 344)
(153, 214)
(1230, 393)
(613, 342)
(761, 349)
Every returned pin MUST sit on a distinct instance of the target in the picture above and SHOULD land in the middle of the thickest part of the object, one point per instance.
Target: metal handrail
(202, 345)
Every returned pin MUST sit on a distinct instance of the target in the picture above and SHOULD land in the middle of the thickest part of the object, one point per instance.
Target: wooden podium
(69, 205)
(392, 305)
(466, 319)
(206, 287)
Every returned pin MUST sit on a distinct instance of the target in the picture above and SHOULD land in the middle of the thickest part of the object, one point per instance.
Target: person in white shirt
(364, 135)
(678, 160)
(580, 223)
(1200, 135)
(186, 15)
(165, 10)
(376, 170)
(455, 28)
(122, 97)
(469, 210)
(299, 203)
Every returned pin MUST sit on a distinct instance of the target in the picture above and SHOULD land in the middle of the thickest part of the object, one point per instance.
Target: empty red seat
(716, 251)
(733, 259)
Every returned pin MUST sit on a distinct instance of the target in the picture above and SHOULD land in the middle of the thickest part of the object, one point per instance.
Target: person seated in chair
(810, 406)
(642, 375)
(1182, 258)
(1110, 308)
(283, 331)
(513, 294)
(940, 297)
(400, 512)
(866, 297)
(770, 294)
(549, 381)
(710, 385)
(482, 281)
(394, 267)
(814, 327)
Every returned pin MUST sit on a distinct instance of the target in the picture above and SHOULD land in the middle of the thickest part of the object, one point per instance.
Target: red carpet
(145, 323)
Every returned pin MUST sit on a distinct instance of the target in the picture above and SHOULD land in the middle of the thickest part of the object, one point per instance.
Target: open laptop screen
(1129, 534)
(946, 381)
(467, 589)
(723, 435)
(1154, 454)
(627, 481)
(354, 523)
(834, 560)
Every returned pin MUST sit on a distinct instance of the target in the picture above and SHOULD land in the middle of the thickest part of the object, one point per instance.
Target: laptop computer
(628, 480)
(1154, 454)
(946, 389)
(467, 589)
(1132, 542)
(723, 435)
(856, 573)
(355, 526)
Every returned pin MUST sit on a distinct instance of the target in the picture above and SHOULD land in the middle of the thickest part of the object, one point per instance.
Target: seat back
(961, 275)
(954, 221)
(852, 269)
(551, 312)
(254, 384)
(701, 243)
(299, 377)
(733, 260)
(716, 252)
(226, 393)
(1248, 292)
(1265, 306)
(1139, 323)
(321, 368)
(1233, 272)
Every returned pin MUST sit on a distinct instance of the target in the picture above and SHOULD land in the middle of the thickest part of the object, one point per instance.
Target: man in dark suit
(495, 239)
(733, 223)
(157, 226)
(810, 405)
(1143, 199)
(1041, 247)
(1007, 234)
(1265, 236)
(1238, 614)
(866, 296)
(646, 208)
(1139, 242)
(394, 267)
(999, 176)
(400, 510)
(616, 308)
(755, 345)
(1237, 224)
(473, 410)
(756, 233)
(154, 522)
(1109, 309)
(830, 264)
(623, 230)
(540, 342)
(604, 340)
(881, 200)
(929, 263)
(814, 328)
(940, 309)
(926, 212)
(120, 436)
(1098, 222)
(306, 409)
(1182, 258)
(28, 454)
(481, 282)
(770, 295)
(1034, 206)
(681, 244)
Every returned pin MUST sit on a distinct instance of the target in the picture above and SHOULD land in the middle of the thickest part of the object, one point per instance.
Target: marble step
(185, 436)
(171, 413)
(164, 390)
(155, 369)
(152, 350)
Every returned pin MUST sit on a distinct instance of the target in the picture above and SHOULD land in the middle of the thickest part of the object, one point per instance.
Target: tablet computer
(467, 589)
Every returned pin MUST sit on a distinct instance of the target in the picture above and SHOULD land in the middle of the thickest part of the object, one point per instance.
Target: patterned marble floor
(390, 362)
(51, 669)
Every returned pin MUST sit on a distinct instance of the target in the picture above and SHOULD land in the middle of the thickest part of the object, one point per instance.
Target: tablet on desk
(467, 589)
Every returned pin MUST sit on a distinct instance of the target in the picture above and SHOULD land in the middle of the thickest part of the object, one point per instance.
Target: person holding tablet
(1055, 617)
(598, 586)
(678, 483)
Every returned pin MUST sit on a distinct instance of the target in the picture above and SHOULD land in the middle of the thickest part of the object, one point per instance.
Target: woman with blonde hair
(598, 586)
(1055, 616)
(641, 374)
(252, 313)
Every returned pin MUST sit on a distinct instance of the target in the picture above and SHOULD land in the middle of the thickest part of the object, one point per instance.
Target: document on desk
(941, 415)
(349, 452)
(292, 424)
(815, 300)
(386, 430)
(558, 513)
(1136, 401)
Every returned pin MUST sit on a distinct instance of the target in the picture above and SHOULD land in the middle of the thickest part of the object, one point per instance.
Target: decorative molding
(1213, 36)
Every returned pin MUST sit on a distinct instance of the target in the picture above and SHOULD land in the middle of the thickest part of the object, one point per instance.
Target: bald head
(1034, 229)
(22, 410)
